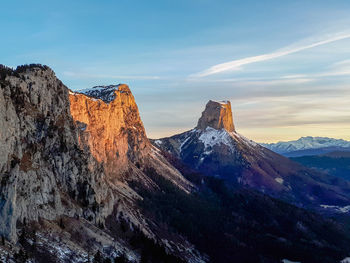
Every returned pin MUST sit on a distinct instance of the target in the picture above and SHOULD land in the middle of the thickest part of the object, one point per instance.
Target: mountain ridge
(80, 179)
(238, 160)
(308, 146)
(56, 171)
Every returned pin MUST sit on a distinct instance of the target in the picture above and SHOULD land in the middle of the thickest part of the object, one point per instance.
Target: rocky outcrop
(112, 130)
(43, 171)
(214, 148)
(78, 175)
(66, 154)
(217, 115)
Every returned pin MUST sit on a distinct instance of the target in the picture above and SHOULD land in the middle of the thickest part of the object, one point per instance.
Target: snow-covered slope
(307, 146)
(214, 148)
(105, 93)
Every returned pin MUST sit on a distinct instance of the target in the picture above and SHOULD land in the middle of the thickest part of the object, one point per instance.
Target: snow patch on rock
(105, 93)
(211, 137)
(339, 209)
(183, 143)
(279, 180)
(158, 142)
(244, 139)
(289, 261)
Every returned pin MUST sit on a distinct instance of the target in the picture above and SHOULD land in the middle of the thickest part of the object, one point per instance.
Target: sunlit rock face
(73, 155)
(217, 115)
(111, 128)
(42, 170)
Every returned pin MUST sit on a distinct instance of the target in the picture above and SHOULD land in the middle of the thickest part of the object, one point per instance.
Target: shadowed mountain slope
(214, 150)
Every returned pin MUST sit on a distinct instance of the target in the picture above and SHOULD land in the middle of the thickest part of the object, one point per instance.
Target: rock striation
(113, 132)
(40, 155)
(217, 115)
(79, 179)
(112, 129)
(70, 157)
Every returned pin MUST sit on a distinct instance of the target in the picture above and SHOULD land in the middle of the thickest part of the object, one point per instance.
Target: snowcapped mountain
(308, 146)
(214, 148)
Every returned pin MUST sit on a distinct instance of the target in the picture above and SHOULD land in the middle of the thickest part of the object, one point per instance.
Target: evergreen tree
(61, 224)
(98, 257)
(22, 237)
(121, 259)
(21, 256)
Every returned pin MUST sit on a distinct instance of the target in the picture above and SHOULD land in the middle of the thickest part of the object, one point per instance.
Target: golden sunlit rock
(113, 131)
(217, 115)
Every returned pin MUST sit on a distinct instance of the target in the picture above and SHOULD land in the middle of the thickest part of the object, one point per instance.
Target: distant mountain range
(308, 146)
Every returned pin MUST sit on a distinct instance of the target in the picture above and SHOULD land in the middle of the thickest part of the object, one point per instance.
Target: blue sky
(285, 65)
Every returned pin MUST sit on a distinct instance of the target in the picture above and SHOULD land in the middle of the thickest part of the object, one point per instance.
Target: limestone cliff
(66, 160)
(217, 115)
(39, 154)
(113, 131)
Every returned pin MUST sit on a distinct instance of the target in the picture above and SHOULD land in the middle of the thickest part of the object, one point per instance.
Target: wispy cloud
(284, 80)
(237, 64)
(341, 68)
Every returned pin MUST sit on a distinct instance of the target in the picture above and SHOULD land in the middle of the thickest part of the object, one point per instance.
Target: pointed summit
(218, 115)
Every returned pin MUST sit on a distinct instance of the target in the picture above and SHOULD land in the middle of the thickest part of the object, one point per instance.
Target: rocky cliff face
(214, 148)
(217, 115)
(40, 157)
(69, 157)
(113, 131)
(78, 175)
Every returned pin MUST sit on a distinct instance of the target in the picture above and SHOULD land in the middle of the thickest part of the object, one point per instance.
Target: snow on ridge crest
(304, 143)
(222, 102)
(105, 93)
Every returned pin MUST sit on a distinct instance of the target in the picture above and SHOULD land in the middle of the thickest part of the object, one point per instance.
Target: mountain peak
(115, 120)
(218, 115)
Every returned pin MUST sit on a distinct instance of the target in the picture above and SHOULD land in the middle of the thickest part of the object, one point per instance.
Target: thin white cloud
(341, 68)
(268, 82)
(237, 64)
(284, 80)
